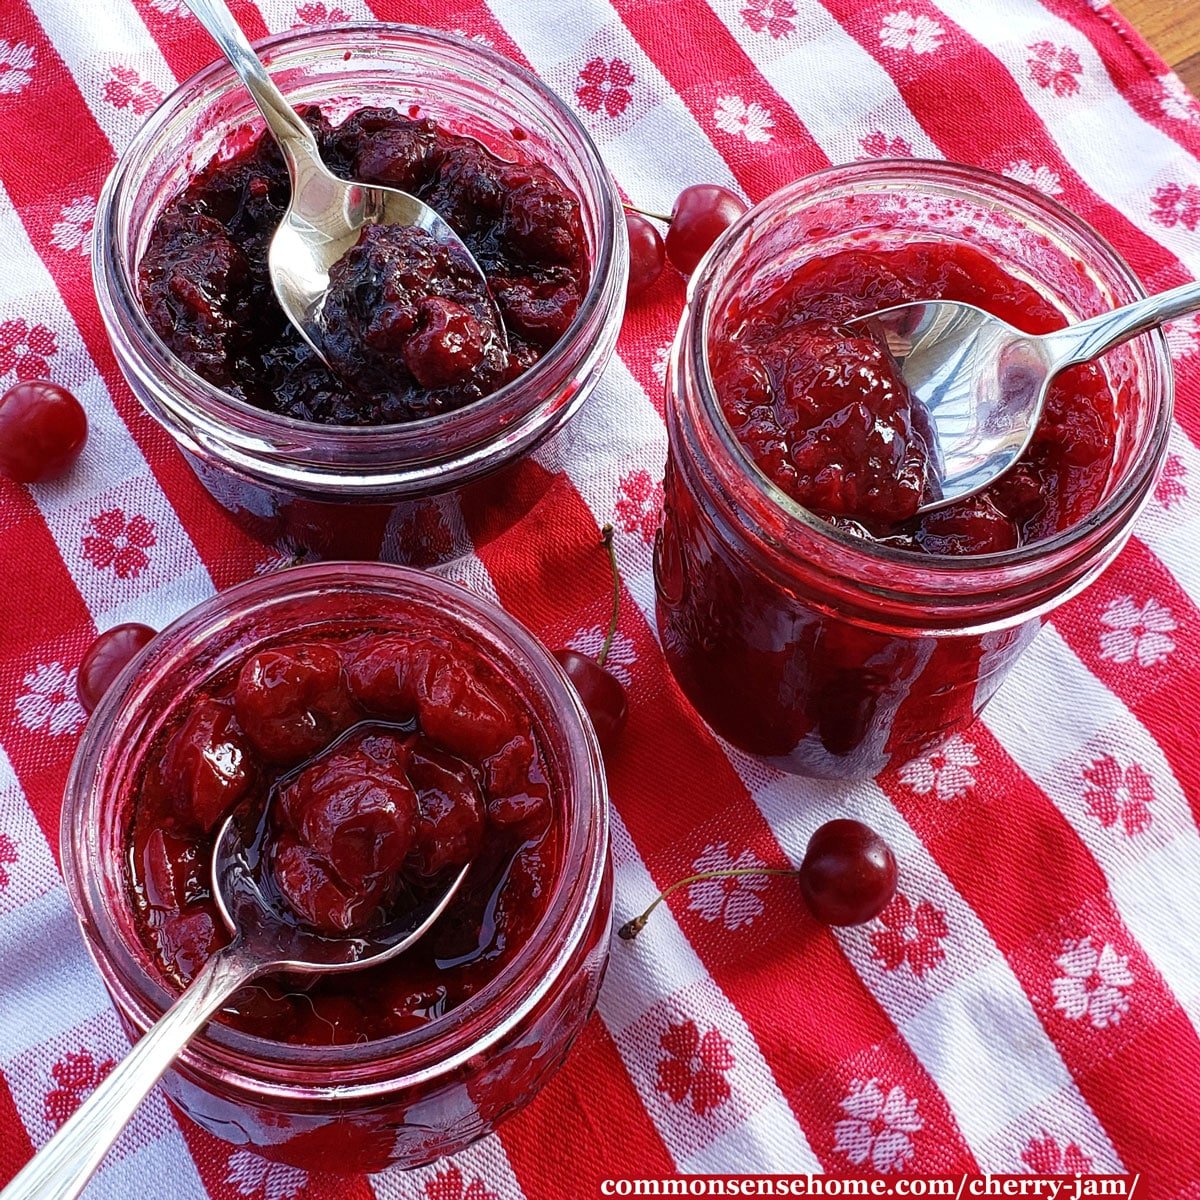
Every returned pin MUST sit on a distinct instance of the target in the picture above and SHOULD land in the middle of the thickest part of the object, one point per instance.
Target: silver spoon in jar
(983, 383)
(264, 941)
(326, 214)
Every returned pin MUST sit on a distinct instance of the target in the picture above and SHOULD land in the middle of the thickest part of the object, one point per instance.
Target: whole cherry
(601, 692)
(106, 657)
(847, 877)
(701, 214)
(848, 874)
(647, 255)
(42, 431)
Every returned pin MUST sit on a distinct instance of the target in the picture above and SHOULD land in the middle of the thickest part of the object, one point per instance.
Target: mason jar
(827, 653)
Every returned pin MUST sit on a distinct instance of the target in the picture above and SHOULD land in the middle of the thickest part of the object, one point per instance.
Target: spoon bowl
(325, 214)
(981, 385)
(266, 940)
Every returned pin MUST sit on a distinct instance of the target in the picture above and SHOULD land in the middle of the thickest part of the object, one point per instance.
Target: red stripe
(677, 793)
(676, 37)
(570, 1131)
(1132, 63)
(15, 1147)
(1036, 888)
(57, 631)
(76, 144)
(1160, 693)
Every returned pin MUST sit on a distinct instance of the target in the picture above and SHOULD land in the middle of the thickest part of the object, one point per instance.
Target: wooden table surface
(1172, 27)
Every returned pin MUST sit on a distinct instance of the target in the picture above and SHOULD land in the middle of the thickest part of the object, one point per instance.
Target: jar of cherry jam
(402, 1062)
(806, 611)
(407, 490)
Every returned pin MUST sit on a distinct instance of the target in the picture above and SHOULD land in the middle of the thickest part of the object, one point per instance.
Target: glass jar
(407, 1099)
(829, 654)
(393, 491)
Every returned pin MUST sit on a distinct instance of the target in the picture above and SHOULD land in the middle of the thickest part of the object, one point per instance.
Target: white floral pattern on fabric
(1141, 633)
(260, 1179)
(945, 771)
(49, 702)
(878, 1127)
(1183, 336)
(749, 120)
(1176, 101)
(451, 1185)
(733, 900)
(1039, 176)
(1093, 983)
(171, 8)
(17, 61)
(1170, 489)
(621, 654)
(73, 229)
(902, 31)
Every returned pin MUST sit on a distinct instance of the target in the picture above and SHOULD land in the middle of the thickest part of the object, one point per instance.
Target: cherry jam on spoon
(325, 214)
(983, 384)
(266, 939)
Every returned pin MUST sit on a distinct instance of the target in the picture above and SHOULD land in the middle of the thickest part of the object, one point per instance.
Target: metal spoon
(983, 383)
(264, 941)
(326, 214)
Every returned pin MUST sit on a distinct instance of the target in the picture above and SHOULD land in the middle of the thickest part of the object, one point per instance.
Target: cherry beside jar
(401, 492)
(828, 653)
(408, 1097)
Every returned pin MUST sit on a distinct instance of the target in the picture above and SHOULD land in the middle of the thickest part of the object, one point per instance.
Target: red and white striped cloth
(1031, 999)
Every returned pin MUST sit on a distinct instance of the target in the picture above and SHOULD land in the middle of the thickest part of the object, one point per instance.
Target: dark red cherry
(42, 430)
(701, 214)
(105, 658)
(647, 255)
(601, 693)
(848, 874)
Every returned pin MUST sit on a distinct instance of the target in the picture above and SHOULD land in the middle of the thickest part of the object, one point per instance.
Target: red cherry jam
(386, 762)
(823, 410)
(409, 332)
(842, 633)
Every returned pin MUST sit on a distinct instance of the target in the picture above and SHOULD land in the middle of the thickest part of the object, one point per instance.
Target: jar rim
(195, 399)
(247, 1061)
(699, 316)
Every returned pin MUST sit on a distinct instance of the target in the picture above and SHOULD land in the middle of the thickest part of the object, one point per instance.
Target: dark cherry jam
(409, 333)
(385, 762)
(824, 412)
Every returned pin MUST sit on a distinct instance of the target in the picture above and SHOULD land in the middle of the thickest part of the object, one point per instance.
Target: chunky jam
(384, 762)
(823, 410)
(409, 333)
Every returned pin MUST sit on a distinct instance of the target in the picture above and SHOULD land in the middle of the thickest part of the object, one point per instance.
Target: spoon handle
(1091, 338)
(293, 135)
(61, 1169)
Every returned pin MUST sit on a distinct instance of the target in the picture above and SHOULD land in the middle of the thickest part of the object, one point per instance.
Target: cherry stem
(652, 215)
(631, 929)
(606, 540)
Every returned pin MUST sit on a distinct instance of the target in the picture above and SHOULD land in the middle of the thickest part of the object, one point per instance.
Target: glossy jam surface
(823, 411)
(409, 334)
(386, 761)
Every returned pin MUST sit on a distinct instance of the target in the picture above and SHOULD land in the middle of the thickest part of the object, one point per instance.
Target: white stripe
(799, 68)
(655, 117)
(112, 35)
(1096, 127)
(111, 474)
(660, 979)
(485, 1160)
(54, 1004)
(1151, 875)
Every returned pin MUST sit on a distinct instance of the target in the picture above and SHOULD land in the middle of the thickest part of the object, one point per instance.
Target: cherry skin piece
(647, 254)
(206, 766)
(701, 214)
(42, 431)
(848, 874)
(601, 693)
(105, 659)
